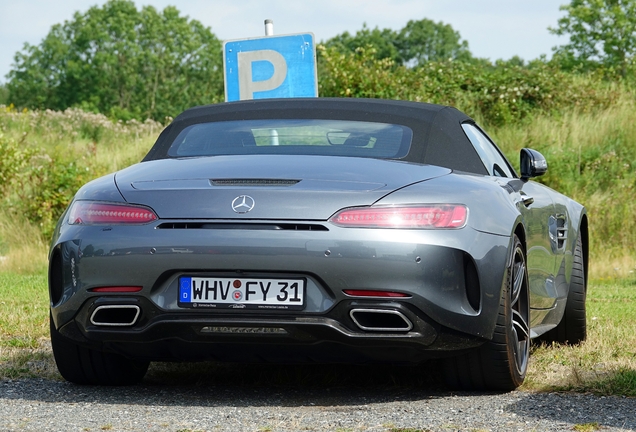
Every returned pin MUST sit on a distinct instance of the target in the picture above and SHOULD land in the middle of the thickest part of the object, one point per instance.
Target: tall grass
(98, 142)
(591, 158)
(22, 247)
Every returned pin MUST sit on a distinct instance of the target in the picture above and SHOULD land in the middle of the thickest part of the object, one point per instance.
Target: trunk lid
(280, 187)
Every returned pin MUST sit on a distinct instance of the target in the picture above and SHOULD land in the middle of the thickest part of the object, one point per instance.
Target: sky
(494, 29)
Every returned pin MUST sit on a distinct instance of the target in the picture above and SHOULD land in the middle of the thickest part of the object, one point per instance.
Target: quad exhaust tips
(115, 315)
(383, 320)
(380, 320)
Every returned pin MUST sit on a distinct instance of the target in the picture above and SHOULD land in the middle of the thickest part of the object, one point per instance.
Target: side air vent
(473, 288)
(508, 188)
(557, 227)
(243, 226)
(253, 182)
(56, 277)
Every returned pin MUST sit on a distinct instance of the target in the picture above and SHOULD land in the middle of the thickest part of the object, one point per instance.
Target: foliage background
(120, 61)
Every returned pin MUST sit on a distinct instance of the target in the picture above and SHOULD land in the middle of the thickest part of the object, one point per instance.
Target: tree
(600, 31)
(417, 43)
(425, 40)
(4, 94)
(383, 41)
(121, 61)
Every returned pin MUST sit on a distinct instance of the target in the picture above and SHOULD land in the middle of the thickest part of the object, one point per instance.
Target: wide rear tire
(501, 363)
(572, 329)
(81, 365)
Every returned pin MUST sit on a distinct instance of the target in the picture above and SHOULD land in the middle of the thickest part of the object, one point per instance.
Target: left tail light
(98, 213)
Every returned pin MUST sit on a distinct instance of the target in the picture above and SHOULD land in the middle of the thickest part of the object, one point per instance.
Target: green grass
(24, 308)
(24, 327)
(587, 427)
(606, 363)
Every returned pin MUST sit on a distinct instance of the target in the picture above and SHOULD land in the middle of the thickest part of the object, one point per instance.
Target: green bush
(36, 185)
(50, 185)
(4, 94)
(498, 94)
(14, 159)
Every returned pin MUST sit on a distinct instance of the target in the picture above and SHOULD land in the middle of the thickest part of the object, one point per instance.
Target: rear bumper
(334, 338)
(437, 269)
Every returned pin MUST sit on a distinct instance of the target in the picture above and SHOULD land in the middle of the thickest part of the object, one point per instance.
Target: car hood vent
(252, 182)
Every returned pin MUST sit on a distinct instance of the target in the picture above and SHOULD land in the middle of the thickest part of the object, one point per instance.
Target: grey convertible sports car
(318, 230)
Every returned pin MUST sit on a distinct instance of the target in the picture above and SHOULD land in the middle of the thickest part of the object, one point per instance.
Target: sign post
(270, 67)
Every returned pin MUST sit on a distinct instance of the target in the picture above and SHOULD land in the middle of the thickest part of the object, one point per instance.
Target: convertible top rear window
(294, 137)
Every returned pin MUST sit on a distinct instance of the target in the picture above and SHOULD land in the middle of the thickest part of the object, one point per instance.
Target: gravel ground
(238, 398)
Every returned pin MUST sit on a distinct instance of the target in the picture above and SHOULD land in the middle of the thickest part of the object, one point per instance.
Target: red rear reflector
(117, 289)
(430, 216)
(372, 293)
(92, 212)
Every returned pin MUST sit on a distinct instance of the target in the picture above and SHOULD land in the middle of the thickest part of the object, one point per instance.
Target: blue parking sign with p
(270, 67)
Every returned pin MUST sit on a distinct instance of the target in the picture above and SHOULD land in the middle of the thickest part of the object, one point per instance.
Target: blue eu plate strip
(185, 283)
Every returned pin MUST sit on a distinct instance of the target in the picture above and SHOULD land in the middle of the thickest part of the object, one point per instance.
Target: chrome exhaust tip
(115, 315)
(383, 320)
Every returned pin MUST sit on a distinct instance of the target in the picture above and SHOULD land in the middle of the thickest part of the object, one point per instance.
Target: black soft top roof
(438, 138)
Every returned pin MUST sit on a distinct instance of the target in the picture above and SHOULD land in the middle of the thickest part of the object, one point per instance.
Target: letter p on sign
(247, 85)
(270, 67)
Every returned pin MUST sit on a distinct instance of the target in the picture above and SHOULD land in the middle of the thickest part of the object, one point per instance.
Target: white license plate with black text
(241, 293)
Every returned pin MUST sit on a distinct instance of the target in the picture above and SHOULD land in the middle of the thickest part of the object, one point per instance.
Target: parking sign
(270, 67)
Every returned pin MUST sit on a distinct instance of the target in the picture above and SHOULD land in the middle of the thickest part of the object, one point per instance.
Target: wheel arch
(521, 233)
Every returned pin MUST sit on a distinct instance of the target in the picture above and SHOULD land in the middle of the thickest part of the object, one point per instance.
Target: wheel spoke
(522, 343)
(520, 326)
(519, 274)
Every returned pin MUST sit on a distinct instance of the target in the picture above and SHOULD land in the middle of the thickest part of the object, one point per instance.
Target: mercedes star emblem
(243, 204)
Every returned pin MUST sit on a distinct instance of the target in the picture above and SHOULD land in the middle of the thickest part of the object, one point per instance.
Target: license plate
(241, 293)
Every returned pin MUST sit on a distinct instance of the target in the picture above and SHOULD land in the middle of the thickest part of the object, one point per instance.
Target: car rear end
(250, 287)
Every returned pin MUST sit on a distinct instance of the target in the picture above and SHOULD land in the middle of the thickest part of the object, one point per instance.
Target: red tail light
(117, 289)
(94, 212)
(429, 216)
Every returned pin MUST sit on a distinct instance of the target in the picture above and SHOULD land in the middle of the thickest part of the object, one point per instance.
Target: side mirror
(532, 164)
